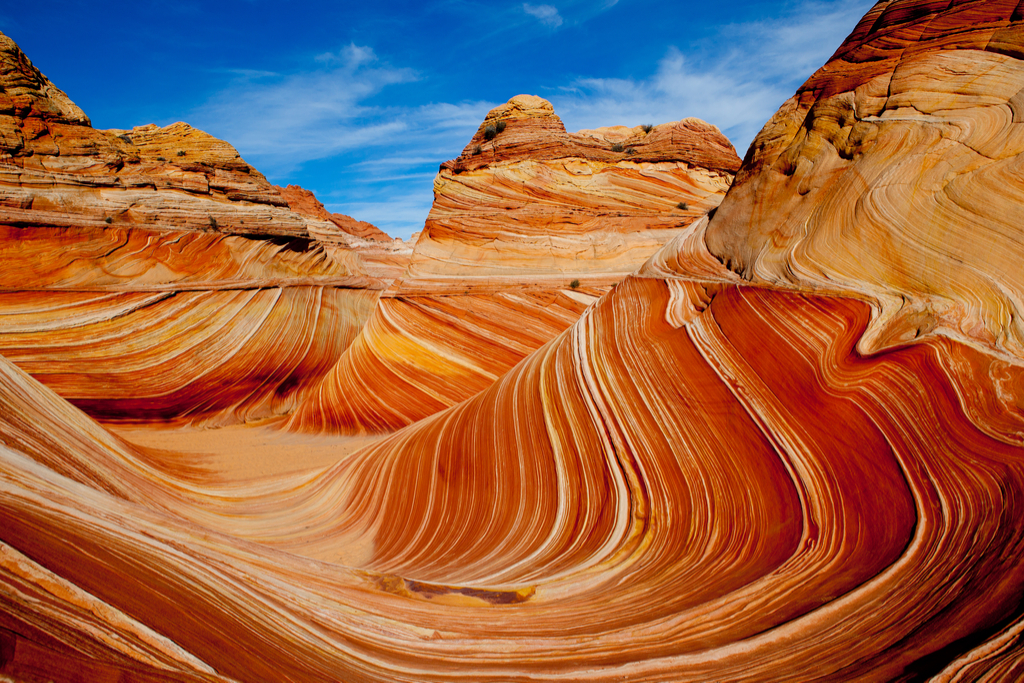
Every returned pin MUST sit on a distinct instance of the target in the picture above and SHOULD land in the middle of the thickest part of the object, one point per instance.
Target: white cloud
(351, 56)
(286, 119)
(383, 157)
(547, 14)
(736, 81)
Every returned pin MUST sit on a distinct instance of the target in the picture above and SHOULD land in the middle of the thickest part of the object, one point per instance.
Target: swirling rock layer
(519, 216)
(893, 174)
(691, 466)
(153, 274)
(709, 475)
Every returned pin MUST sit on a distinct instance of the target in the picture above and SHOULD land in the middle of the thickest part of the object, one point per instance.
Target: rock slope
(517, 217)
(153, 273)
(710, 475)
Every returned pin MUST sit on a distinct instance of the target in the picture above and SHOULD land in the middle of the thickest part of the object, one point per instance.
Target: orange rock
(521, 238)
(153, 274)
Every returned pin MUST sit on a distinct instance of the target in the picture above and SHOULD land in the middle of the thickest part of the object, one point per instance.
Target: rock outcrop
(383, 257)
(153, 273)
(517, 218)
(893, 173)
(715, 473)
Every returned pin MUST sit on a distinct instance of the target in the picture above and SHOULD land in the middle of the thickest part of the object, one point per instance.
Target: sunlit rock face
(707, 477)
(152, 273)
(382, 256)
(894, 175)
(522, 213)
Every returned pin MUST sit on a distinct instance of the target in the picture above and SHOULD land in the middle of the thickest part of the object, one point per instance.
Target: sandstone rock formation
(519, 216)
(715, 473)
(152, 273)
(892, 174)
(382, 256)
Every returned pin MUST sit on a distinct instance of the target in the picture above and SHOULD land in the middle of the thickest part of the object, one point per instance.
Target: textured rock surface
(893, 173)
(382, 256)
(512, 226)
(152, 273)
(705, 477)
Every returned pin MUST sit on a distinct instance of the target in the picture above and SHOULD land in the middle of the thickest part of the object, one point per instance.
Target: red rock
(521, 238)
(153, 274)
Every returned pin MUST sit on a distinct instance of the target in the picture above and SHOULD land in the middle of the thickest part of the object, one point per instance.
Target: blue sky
(361, 101)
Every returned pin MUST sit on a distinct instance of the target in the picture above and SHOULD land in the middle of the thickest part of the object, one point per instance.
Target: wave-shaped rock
(530, 224)
(708, 476)
(154, 274)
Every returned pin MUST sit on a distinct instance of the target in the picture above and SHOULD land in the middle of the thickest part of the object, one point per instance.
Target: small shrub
(181, 152)
(617, 147)
(574, 284)
(647, 127)
(213, 223)
(161, 159)
(108, 220)
(125, 138)
(630, 151)
(477, 150)
(683, 205)
(493, 129)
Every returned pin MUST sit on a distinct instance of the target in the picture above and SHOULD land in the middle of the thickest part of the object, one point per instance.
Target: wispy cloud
(736, 81)
(346, 122)
(282, 122)
(286, 119)
(546, 14)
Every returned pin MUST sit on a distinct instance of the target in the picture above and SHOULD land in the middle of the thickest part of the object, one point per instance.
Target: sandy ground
(240, 453)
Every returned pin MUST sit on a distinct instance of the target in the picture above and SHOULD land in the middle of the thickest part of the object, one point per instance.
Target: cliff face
(152, 273)
(893, 173)
(520, 215)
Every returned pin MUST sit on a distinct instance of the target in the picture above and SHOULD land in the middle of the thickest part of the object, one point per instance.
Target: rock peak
(25, 91)
(520, 107)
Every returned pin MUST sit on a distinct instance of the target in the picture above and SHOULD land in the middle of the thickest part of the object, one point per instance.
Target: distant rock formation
(154, 274)
(304, 202)
(529, 226)
(384, 257)
(534, 202)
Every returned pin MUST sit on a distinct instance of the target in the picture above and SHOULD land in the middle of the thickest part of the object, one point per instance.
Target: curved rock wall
(153, 274)
(893, 173)
(517, 218)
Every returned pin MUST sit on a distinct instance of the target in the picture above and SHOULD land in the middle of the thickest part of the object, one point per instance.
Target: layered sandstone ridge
(383, 256)
(533, 201)
(522, 237)
(893, 173)
(704, 477)
(154, 274)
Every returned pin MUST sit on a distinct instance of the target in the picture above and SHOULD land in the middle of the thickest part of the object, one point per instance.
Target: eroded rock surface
(154, 274)
(530, 224)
